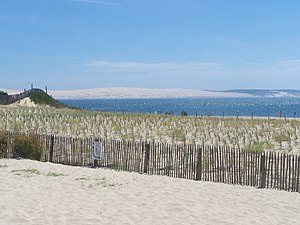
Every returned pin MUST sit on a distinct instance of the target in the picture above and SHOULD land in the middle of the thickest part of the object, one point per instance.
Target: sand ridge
(26, 102)
(44, 193)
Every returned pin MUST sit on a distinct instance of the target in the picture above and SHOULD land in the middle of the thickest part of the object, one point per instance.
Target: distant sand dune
(122, 92)
(139, 93)
(38, 193)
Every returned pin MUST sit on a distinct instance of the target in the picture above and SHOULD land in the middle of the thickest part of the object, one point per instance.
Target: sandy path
(43, 193)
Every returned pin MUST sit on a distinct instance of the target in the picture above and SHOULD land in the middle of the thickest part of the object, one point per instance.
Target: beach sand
(26, 102)
(43, 193)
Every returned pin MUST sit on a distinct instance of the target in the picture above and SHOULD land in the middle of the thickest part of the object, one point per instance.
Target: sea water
(284, 107)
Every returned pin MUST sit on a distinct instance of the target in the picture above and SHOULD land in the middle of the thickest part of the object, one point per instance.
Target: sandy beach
(39, 193)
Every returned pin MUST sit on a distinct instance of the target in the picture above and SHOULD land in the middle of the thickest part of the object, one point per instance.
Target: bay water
(284, 107)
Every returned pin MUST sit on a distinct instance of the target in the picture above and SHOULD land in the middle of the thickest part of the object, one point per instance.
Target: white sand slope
(26, 102)
(123, 92)
(120, 92)
(57, 194)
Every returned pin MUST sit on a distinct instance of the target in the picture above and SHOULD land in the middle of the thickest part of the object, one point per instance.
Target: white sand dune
(26, 102)
(56, 194)
(120, 92)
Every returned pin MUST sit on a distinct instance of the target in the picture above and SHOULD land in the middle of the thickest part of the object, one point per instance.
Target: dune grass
(257, 133)
(43, 98)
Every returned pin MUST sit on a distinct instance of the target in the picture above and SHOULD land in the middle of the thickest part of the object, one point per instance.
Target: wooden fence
(197, 162)
(9, 99)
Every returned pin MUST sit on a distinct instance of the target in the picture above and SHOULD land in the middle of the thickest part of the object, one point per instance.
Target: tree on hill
(3, 93)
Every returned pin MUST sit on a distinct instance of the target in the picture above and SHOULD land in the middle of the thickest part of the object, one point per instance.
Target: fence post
(199, 164)
(147, 157)
(298, 173)
(263, 171)
(51, 148)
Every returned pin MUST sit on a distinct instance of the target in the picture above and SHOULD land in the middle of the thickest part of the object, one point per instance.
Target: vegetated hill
(43, 98)
(36, 95)
(268, 93)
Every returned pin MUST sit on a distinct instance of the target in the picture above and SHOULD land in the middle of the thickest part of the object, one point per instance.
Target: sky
(191, 44)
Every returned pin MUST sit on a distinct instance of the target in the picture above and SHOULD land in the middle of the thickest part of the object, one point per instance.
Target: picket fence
(197, 162)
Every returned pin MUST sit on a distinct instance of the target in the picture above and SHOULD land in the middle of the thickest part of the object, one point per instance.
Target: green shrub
(27, 147)
(3, 93)
(44, 99)
(282, 137)
(269, 145)
(255, 147)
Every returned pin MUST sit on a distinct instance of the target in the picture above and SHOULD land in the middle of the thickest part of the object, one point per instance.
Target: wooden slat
(298, 175)
(147, 157)
(289, 173)
(199, 164)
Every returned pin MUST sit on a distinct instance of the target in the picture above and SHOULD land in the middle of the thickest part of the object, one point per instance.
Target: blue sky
(197, 44)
